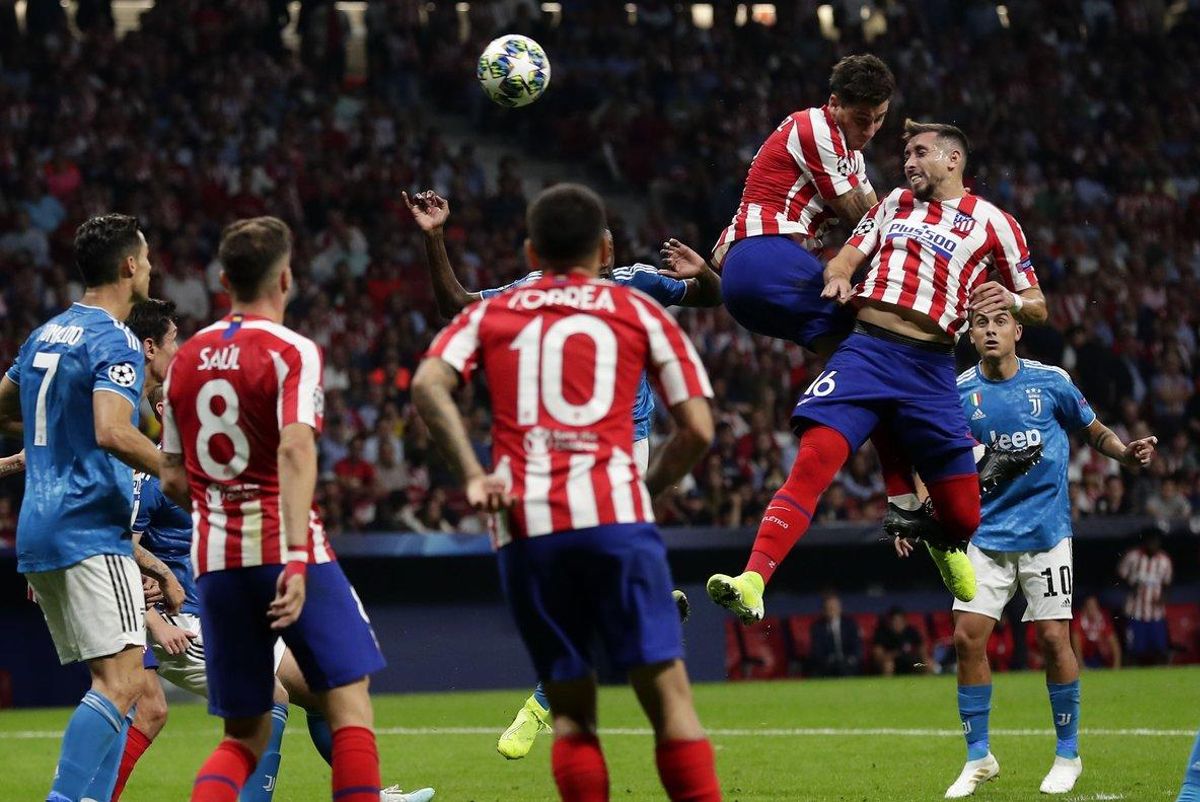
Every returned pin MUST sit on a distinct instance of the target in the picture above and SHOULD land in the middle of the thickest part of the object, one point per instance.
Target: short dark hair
(101, 243)
(862, 81)
(943, 131)
(151, 319)
(249, 251)
(566, 224)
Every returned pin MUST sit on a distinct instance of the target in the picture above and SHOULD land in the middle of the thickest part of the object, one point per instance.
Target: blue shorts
(908, 388)
(772, 285)
(613, 582)
(332, 640)
(1148, 638)
(149, 661)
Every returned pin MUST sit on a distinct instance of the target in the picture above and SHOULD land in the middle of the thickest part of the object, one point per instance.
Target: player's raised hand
(428, 209)
(1139, 453)
(488, 493)
(838, 289)
(991, 297)
(682, 262)
(173, 595)
(289, 599)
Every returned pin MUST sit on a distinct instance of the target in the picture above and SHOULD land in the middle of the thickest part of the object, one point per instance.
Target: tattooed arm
(1135, 455)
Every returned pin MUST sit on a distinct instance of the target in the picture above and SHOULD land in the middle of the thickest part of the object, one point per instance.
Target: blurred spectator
(899, 647)
(1148, 572)
(1168, 503)
(1094, 638)
(25, 237)
(835, 644)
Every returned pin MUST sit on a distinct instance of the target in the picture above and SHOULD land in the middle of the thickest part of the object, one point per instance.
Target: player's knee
(1053, 641)
(968, 644)
(281, 694)
(151, 714)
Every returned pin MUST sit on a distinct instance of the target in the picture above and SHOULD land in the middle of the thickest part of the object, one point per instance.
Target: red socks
(355, 765)
(822, 453)
(136, 744)
(956, 505)
(688, 771)
(579, 769)
(224, 773)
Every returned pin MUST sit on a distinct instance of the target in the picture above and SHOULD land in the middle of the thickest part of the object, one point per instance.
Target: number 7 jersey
(230, 391)
(563, 358)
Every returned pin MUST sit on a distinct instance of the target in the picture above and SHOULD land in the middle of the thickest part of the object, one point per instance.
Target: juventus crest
(1035, 400)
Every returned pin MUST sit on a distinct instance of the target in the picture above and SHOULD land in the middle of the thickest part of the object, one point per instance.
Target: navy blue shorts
(1147, 638)
(332, 641)
(772, 286)
(149, 661)
(871, 381)
(608, 581)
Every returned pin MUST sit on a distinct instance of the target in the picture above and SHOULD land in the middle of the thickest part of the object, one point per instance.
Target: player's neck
(112, 298)
(1000, 369)
(260, 307)
(949, 192)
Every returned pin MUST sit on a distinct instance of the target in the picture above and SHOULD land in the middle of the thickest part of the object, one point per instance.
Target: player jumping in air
(76, 386)
(701, 288)
(1024, 538)
(162, 534)
(244, 404)
(579, 554)
(928, 247)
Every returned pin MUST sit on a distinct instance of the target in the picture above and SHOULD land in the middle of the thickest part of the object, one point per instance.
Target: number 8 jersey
(563, 357)
(230, 391)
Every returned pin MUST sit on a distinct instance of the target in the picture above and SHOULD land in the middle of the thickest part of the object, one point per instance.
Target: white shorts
(1043, 576)
(186, 670)
(641, 455)
(94, 608)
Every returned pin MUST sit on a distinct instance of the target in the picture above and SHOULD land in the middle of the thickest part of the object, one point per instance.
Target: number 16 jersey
(230, 391)
(563, 358)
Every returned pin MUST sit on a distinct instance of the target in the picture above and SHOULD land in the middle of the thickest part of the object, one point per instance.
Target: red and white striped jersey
(563, 358)
(229, 392)
(928, 255)
(802, 164)
(1147, 576)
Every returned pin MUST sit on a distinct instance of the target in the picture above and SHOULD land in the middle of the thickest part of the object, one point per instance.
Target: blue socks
(94, 731)
(1064, 702)
(260, 786)
(105, 779)
(539, 696)
(1190, 792)
(321, 734)
(974, 705)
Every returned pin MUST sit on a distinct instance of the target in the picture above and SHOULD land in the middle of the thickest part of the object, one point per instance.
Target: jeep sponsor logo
(1029, 437)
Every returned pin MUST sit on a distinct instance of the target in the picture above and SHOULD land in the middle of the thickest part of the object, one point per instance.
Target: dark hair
(566, 224)
(100, 245)
(151, 319)
(943, 131)
(250, 250)
(862, 81)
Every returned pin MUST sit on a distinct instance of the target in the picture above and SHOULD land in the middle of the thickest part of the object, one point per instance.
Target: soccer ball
(513, 70)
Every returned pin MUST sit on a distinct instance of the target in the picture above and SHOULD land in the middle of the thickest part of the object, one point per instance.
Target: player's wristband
(1018, 302)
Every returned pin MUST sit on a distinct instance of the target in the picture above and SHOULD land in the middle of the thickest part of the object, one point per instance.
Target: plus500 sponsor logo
(1029, 437)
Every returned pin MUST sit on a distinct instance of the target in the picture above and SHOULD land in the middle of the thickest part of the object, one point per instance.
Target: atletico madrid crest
(963, 224)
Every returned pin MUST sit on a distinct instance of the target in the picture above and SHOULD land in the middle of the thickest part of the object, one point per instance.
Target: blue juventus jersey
(1037, 405)
(664, 289)
(78, 497)
(165, 531)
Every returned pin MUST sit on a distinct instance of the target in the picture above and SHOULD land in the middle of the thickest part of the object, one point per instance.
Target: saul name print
(219, 358)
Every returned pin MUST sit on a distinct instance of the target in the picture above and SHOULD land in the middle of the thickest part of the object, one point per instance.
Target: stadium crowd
(1109, 197)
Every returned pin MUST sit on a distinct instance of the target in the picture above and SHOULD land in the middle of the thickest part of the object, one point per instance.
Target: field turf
(867, 739)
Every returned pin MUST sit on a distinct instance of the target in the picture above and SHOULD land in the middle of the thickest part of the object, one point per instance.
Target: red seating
(764, 649)
(733, 650)
(1183, 624)
(798, 629)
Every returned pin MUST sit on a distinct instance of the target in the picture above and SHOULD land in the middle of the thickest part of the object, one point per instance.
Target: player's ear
(1020, 329)
(606, 250)
(148, 348)
(531, 256)
(225, 285)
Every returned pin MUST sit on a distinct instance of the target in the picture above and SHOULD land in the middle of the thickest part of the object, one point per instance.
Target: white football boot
(974, 774)
(394, 794)
(1062, 776)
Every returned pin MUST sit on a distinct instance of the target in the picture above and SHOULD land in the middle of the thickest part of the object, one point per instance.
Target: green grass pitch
(865, 739)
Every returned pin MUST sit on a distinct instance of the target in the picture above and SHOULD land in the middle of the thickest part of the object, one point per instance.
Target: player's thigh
(1047, 580)
(94, 608)
(549, 606)
(573, 705)
(333, 641)
(928, 419)
(772, 286)
(186, 670)
(850, 395)
(996, 581)
(239, 643)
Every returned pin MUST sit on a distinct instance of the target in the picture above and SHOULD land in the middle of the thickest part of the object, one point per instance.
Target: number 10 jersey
(230, 391)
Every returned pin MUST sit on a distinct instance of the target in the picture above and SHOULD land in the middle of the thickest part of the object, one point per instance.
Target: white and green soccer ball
(513, 70)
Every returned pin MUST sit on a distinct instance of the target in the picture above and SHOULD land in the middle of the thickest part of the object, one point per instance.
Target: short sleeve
(118, 365)
(14, 371)
(664, 289)
(300, 385)
(867, 233)
(819, 149)
(458, 343)
(1074, 412)
(528, 278)
(1011, 254)
(673, 359)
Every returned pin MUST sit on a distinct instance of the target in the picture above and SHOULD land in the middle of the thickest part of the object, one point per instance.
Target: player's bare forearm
(297, 482)
(14, 463)
(116, 435)
(431, 391)
(704, 290)
(1033, 307)
(10, 405)
(151, 566)
(687, 444)
(1139, 453)
(851, 206)
(450, 294)
(173, 480)
(839, 272)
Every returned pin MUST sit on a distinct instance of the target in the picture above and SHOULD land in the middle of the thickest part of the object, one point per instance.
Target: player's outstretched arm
(850, 206)
(692, 437)
(839, 271)
(430, 211)
(119, 437)
(14, 463)
(703, 283)
(1137, 454)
